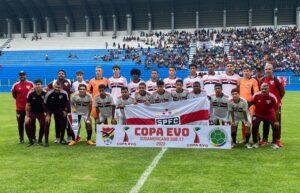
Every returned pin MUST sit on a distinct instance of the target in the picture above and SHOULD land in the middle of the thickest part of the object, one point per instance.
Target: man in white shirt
(80, 80)
(230, 80)
(210, 79)
(151, 84)
(170, 82)
(193, 77)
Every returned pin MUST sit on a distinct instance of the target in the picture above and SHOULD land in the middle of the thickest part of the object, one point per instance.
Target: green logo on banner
(217, 137)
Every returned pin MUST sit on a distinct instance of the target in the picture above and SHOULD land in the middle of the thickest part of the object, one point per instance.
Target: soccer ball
(217, 137)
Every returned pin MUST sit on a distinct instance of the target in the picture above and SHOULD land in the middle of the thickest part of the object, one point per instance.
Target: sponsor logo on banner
(197, 138)
(218, 137)
(108, 135)
(166, 118)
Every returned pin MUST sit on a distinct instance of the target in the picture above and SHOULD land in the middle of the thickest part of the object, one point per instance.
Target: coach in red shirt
(266, 109)
(19, 91)
(276, 87)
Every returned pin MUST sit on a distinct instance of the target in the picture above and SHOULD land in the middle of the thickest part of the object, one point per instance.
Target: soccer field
(91, 169)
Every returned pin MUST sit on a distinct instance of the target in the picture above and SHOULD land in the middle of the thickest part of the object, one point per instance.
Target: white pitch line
(147, 172)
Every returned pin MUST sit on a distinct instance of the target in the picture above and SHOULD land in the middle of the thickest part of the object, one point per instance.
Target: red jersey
(265, 106)
(276, 87)
(19, 91)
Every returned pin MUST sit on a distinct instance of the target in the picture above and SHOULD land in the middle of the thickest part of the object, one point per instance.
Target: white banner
(174, 136)
(186, 112)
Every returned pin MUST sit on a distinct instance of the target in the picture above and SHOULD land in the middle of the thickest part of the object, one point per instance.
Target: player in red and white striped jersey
(134, 84)
(170, 82)
(210, 79)
(151, 84)
(116, 82)
(229, 80)
(193, 77)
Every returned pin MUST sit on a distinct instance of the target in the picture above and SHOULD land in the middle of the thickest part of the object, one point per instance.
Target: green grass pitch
(90, 169)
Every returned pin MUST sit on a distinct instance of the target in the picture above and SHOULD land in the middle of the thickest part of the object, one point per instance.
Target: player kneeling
(122, 101)
(82, 106)
(218, 106)
(238, 109)
(105, 107)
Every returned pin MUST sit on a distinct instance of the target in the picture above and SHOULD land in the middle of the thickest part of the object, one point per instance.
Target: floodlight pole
(9, 31)
(22, 27)
(101, 24)
(48, 26)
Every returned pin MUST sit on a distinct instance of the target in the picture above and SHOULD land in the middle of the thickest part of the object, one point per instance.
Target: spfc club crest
(108, 135)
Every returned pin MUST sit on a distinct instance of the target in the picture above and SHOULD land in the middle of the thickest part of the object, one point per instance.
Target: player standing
(193, 77)
(57, 103)
(151, 84)
(248, 87)
(66, 85)
(19, 91)
(136, 80)
(80, 80)
(116, 82)
(229, 80)
(171, 80)
(35, 110)
(239, 112)
(210, 79)
(276, 87)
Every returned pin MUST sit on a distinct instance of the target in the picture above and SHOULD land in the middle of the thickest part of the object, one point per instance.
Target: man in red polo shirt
(266, 109)
(276, 87)
(19, 91)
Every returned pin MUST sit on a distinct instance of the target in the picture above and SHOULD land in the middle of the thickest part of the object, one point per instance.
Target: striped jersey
(104, 105)
(160, 98)
(151, 86)
(219, 107)
(209, 82)
(229, 82)
(189, 81)
(115, 85)
(82, 104)
(170, 83)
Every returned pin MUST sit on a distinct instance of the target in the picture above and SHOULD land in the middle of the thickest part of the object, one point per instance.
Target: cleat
(263, 142)
(56, 140)
(78, 138)
(248, 146)
(90, 142)
(21, 142)
(255, 145)
(40, 143)
(72, 143)
(30, 145)
(69, 139)
(274, 146)
(63, 142)
(278, 143)
(46, 145)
